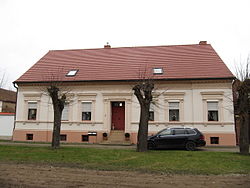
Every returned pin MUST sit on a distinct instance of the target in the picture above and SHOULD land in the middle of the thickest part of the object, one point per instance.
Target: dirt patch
(41, 176)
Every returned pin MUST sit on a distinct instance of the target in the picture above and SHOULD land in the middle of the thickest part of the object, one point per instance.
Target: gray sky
(30, 28)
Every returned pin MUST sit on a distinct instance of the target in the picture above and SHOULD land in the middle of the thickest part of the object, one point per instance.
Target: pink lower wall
(224, 139)
(76, 137)
(46, 136)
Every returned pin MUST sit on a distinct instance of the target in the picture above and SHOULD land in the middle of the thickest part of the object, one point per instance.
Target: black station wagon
(188, 138)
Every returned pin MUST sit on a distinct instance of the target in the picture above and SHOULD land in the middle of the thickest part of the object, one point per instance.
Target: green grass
(168, 161)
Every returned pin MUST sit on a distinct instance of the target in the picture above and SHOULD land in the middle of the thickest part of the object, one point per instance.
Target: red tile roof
(198, 61)
(7, 95)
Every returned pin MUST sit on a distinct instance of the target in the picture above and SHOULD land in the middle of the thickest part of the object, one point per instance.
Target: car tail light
(202, 137)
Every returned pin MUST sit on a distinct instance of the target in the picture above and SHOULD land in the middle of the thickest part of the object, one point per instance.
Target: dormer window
(157, 70)
(72, 72)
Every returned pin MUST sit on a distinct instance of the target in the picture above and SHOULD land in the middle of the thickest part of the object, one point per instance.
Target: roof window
(72, 72)
(158, 70)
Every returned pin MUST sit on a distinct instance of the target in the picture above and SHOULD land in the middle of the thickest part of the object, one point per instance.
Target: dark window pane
(86, 115)
(214, 140)
(118, 104)
(165, 132)
(151, 116)
(179, 131)
(32, 114)
(174, 115)
(63, 137)
(85, 138)
(29, 136)
(212, 116)
(190, 131)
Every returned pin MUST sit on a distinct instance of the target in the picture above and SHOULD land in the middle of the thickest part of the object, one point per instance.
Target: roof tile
(177, 61)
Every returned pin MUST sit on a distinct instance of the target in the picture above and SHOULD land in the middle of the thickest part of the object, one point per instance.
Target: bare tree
(58, 105)
(242, 85)
(143, 91)
(2, 79)
(57, 91)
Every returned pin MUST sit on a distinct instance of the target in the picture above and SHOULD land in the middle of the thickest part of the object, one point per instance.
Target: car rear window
(190, 131)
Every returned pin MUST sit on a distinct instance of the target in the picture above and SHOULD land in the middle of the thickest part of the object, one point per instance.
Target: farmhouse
(193, 88)
(7, 101)
(7, 113)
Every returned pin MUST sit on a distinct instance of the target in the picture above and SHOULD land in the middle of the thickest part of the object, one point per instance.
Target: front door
(118, 116)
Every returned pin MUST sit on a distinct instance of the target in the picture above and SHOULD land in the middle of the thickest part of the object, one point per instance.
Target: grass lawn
(167, 161)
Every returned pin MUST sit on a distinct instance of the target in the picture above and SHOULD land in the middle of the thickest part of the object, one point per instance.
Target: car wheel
(151, 145)
(190, 146)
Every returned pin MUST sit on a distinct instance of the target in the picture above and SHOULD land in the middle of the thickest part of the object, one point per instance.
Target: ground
(39, 176)
(30, 175)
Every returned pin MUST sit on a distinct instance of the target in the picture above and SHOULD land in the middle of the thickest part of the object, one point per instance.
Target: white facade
(6, 125)
(1, 106)
(192, 98)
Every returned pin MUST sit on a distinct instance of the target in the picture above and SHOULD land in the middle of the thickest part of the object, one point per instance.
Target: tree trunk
(57, 128)
(143, 92)
(142, 137)
(58, 105)
(244, 122)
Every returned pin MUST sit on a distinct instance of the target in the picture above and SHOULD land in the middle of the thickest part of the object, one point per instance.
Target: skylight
(157, 70)
(72, 72)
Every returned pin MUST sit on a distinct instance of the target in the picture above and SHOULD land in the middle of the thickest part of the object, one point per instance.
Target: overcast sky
(30, 28)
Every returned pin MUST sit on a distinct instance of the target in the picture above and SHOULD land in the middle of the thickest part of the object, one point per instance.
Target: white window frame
(218, 112)
(152, 109)
(86, 97)
(213, 96)
(157, 70)
(28, 109)
(173, 109)
(91, 110)
(66, 107)
(72, 73)
(30, 97)
(174, 96)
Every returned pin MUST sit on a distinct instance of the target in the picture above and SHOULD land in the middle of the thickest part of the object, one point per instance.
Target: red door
(118, 115)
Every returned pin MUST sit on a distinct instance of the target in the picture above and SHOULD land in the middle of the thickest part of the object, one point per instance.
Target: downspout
(192, 105)
(15, 86)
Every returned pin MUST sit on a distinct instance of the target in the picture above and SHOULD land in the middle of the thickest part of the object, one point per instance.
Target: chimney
(202, 42)
(107, 45)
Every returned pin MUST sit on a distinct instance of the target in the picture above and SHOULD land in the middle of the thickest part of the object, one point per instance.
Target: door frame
(111, 109)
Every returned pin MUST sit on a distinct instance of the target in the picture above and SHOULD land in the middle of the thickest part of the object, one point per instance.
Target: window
(165, 132)
(63, 137)
(157, 71)
(151, 112)
(72, 73)
(29, 136)
(174, 111)
(179, 131)
(190, 131)
(85, 138)
(212, 113)
(65, 112)
(214, 140)
(32, 110)
(86, 111)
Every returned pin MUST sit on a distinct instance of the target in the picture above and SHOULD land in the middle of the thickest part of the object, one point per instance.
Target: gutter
(129, 80)
(15, 86)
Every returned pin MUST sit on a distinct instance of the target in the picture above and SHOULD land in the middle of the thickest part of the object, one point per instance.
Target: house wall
(8, 107)
(6, 125)
(191, 95)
